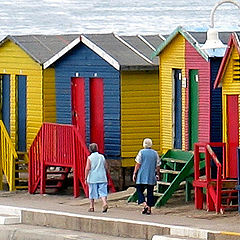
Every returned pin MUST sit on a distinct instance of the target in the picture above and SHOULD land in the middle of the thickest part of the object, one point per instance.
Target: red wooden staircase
(221, 193)
(56, 152)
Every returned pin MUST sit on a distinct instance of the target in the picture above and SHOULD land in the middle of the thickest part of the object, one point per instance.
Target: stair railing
(213, 196)
(216, 198)
(58, 145)
(35, 156)
(8, 156)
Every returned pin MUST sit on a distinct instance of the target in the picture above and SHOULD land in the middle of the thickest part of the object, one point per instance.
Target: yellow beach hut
(28, 83)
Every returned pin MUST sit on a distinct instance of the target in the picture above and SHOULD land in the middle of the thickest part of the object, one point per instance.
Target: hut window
(236, 69)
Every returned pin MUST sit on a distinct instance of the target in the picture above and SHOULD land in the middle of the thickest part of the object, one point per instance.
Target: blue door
(5, 82)
(177, 73)
(21, 109)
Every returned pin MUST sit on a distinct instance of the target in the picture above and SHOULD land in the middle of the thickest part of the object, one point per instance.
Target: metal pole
(217, 5)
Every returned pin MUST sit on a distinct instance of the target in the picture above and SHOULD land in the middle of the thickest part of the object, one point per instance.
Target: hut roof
(145, 44)
(43, 47)
(196, 39)
(125, 53)
(234, 40)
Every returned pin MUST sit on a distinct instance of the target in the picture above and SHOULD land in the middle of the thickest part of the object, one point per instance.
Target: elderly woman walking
(146, 168)
(96, 177)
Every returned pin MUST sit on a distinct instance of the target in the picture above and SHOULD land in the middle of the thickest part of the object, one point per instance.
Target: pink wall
(195, 61)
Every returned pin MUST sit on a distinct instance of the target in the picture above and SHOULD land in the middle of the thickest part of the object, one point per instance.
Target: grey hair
(147, 143)
(93, 147)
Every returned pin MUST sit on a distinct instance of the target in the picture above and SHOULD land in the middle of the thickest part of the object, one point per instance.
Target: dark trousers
(141, 198)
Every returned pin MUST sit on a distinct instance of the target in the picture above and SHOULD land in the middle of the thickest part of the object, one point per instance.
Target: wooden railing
(8, 156)
(212, 185)
(58, 145)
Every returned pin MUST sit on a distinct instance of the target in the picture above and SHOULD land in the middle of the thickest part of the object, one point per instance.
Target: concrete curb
(113, 226)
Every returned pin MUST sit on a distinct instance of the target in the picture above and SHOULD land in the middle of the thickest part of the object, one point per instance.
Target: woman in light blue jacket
(96, 177)
(147, 162)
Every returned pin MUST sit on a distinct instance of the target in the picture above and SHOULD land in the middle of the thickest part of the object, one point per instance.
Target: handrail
(58, 145)
(8, 156)
(82, 154)
(219, 177)
(213, 155)
(209, 155)
(34, 162)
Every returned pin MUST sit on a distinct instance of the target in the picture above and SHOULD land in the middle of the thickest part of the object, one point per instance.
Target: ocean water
(128, 17)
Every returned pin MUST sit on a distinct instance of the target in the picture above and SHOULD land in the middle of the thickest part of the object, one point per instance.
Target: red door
(78, 105)
(232, 135)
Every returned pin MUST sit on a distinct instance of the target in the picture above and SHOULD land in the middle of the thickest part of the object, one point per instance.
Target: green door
(193, 108)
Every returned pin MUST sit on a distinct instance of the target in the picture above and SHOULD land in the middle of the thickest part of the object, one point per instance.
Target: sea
(124, 17)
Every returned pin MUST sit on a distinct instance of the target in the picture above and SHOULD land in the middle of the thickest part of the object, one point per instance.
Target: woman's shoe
(148, 211)
(144, 211)
(91, 209)
(105, 208)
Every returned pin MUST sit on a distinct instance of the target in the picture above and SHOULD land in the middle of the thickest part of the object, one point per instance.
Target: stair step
(229, 197)
(169, 183)
(229, 206)
(172, 237)
(21, 170)
(157, 194)
(9, 219)
(163, 183)
(21, 187)
(225, 191)
(173, 160)
(57, 172)
(20, 161)
(21, 179)
(169, 171)
(52, 186)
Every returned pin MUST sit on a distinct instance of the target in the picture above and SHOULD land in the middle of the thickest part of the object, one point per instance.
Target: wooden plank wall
(139, 111)
(14, 61)
(173, 56)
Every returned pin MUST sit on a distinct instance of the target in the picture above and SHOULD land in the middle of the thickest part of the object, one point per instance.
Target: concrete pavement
(65, 213)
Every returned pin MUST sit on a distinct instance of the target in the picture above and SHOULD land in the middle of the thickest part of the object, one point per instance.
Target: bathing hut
(28, 85)
(130, 89)
(190, 108)
(228, 79)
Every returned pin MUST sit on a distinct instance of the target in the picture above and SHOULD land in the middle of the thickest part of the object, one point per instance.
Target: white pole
(235, 2)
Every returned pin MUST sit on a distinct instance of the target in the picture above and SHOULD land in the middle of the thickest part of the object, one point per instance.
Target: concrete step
(172, 237)
(9, 215)
(9, 219)
(29, 232)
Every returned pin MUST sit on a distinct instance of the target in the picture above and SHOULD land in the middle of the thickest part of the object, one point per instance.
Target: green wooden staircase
(176, 170)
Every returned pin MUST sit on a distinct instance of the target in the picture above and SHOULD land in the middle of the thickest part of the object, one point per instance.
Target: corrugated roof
(42, 47)
(196, 39)
(138, 43)
(154, 40)
(114, 46)
(127, 52)
(201, 37)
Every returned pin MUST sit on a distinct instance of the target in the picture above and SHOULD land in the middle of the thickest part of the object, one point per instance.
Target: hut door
(177, 106)
(193, 108)
(21, 111)
(5, 100)
(78, 105)
(232, 135)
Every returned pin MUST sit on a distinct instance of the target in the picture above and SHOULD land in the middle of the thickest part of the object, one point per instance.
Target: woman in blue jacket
(147, 163)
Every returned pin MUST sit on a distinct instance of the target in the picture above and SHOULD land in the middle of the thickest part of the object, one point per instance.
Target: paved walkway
(175, 216)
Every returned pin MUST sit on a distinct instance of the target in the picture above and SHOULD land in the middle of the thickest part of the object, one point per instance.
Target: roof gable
(233, 42)
(42, 48)
(187, 36)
